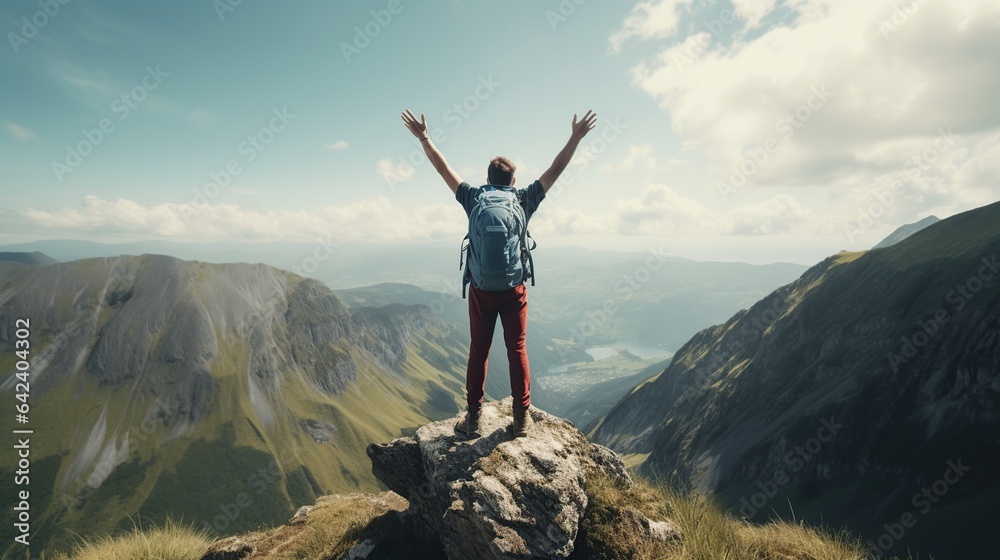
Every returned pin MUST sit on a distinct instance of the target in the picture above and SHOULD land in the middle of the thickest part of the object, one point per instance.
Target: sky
(748, 130)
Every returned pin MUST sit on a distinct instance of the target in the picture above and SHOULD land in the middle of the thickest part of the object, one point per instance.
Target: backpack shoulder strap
(527, 261)
(463, 262)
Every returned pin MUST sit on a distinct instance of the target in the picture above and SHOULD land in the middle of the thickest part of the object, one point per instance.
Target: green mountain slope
(846, 396)
(226, 394)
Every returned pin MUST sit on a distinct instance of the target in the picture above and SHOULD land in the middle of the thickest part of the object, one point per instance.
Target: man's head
(500, 172)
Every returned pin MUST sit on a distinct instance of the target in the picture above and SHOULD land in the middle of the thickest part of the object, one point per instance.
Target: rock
(300, 515)
(360, 551)
(232, 548)
(609, 462)
(663, 531)
(321, 432)
(495, 497)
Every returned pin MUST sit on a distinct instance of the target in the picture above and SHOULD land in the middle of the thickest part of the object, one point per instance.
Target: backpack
(495, 252)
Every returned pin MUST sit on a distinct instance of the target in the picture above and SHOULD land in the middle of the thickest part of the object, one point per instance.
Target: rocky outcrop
(495, 496)
(489, 497)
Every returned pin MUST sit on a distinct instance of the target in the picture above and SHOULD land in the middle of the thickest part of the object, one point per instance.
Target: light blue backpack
(495, 252)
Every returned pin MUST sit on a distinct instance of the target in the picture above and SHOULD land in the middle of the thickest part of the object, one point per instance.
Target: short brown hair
(500, 171)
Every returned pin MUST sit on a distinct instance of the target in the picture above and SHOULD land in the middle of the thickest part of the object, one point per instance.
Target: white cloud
(753, 11)
(638, 156)
(892, 77)
(656, 18)
(659, 210)
(941, 176)
(781, 214)
(556, 220)
(338, 145)
(379, 219)
(190, 221)
(374, 219)
(20, 133)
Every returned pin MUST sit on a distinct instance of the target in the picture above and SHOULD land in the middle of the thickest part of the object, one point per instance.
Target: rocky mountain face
(161, 385)
(867, 392)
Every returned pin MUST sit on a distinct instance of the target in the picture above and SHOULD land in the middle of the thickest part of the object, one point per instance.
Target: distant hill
(34, 257)
(904, 231)
(865, 393)
(226, 394)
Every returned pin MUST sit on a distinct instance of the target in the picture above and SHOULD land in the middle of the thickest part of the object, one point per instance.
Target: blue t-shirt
(529, 197)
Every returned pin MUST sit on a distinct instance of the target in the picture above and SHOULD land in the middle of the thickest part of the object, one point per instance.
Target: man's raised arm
(419, 129)
(580, 129)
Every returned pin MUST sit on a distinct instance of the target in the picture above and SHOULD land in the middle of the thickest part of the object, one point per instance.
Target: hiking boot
(469, 425)
(522, 421)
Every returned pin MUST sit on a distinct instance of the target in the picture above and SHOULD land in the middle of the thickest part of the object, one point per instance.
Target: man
(510, 304)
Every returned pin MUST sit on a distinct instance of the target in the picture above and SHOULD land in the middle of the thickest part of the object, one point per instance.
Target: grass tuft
(171, 541)
(706, 530)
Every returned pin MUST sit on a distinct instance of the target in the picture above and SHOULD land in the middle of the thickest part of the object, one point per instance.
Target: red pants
(512, 306)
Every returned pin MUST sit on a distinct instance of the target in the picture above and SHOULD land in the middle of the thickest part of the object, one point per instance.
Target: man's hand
(580, 129)
(418, 128)
(585, 125)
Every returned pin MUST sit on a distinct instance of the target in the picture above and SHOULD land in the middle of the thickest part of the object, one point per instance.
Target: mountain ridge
(906, 230)
(917, 321)
(163, 385)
